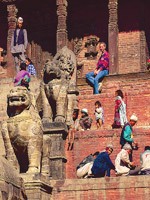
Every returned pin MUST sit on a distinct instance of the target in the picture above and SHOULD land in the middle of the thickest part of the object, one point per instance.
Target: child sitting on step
(99, 114)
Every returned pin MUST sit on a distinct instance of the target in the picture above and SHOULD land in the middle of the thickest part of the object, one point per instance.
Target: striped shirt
(103, 62)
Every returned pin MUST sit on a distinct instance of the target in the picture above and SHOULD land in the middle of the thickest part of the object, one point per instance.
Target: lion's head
(18, 100)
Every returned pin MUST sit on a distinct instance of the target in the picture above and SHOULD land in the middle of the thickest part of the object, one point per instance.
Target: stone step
(127, 82)
(136, 89)
(130, 188)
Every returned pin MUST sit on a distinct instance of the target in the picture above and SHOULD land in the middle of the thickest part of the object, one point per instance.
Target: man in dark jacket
(102, 164)
(19, 43)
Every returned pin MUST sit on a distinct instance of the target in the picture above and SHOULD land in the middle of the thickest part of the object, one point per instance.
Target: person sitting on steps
(101, 70)
(85, 121)
(72, 129)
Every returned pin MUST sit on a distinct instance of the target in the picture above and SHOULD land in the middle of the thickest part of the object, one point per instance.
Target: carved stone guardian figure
(58, 89)
(22, 132)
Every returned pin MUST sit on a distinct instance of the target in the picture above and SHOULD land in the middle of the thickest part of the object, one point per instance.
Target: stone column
(53, 160)
(12, 12)
(62, 35)
(113, 36)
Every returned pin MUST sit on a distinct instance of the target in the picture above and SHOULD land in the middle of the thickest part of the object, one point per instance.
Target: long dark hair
(119, 93)
(29, 60)
(98, 103)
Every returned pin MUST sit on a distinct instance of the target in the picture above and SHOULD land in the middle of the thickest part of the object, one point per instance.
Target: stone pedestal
(11, 183)
(37, 187)
(53, 161)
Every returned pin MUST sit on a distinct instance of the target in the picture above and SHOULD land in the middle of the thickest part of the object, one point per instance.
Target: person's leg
(22, 57)
(100, 122)
(69, 136)
(82, 171)
(108, 172)
(90, 77)
(134, 171)
(99, 77)
(72, 139)
(17, 63)
(82, 124)
(97, 123)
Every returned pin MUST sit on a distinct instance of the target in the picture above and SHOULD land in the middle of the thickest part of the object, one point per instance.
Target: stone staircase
(136, 89)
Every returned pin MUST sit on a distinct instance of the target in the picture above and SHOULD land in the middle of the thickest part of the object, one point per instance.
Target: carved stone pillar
(12, 12)
(113, 36)
(53, 161)
(62, 26)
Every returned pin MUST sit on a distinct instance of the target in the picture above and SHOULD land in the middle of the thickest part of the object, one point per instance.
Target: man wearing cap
(103, 164)
(126, 134)
(85, 121)
(123, 164)
(19, 43)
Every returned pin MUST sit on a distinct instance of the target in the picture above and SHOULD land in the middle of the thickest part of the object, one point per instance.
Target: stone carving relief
(3, 57)
(22, 132)
(58, 89)
(77, 43)
(91, 48)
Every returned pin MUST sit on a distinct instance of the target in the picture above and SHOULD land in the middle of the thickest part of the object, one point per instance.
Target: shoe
(100, 86)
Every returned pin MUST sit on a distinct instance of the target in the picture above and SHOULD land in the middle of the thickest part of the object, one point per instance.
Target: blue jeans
(94, 80)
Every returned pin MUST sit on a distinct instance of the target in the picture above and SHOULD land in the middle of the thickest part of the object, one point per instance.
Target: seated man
(123, 164)
(102, 164)
(145, 161)
(127, 135)
(84, 168)
(85, 121)
(101, 70)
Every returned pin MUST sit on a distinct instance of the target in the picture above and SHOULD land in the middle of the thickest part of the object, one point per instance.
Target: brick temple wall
(87, 142)
(132, 52)
(135, 88)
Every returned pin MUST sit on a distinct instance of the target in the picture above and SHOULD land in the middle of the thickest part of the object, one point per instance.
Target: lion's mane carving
(22, 132)
(58, 90)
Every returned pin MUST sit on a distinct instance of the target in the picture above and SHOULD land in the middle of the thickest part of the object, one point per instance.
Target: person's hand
(132, 164)
(95, 72)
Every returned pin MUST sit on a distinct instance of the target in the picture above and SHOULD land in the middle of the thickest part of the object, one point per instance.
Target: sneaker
(100, 87)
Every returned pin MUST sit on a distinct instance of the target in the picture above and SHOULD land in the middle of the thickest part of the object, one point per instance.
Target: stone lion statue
(58, 89)
(22, 132)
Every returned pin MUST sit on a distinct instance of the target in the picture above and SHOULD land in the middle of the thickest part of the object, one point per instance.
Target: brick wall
(135, 88)
(132, 52)
(87, 142)
(121, 188)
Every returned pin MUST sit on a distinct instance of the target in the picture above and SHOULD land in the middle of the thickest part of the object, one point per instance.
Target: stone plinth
(53, 162)
(11, 183)
(37, 187)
